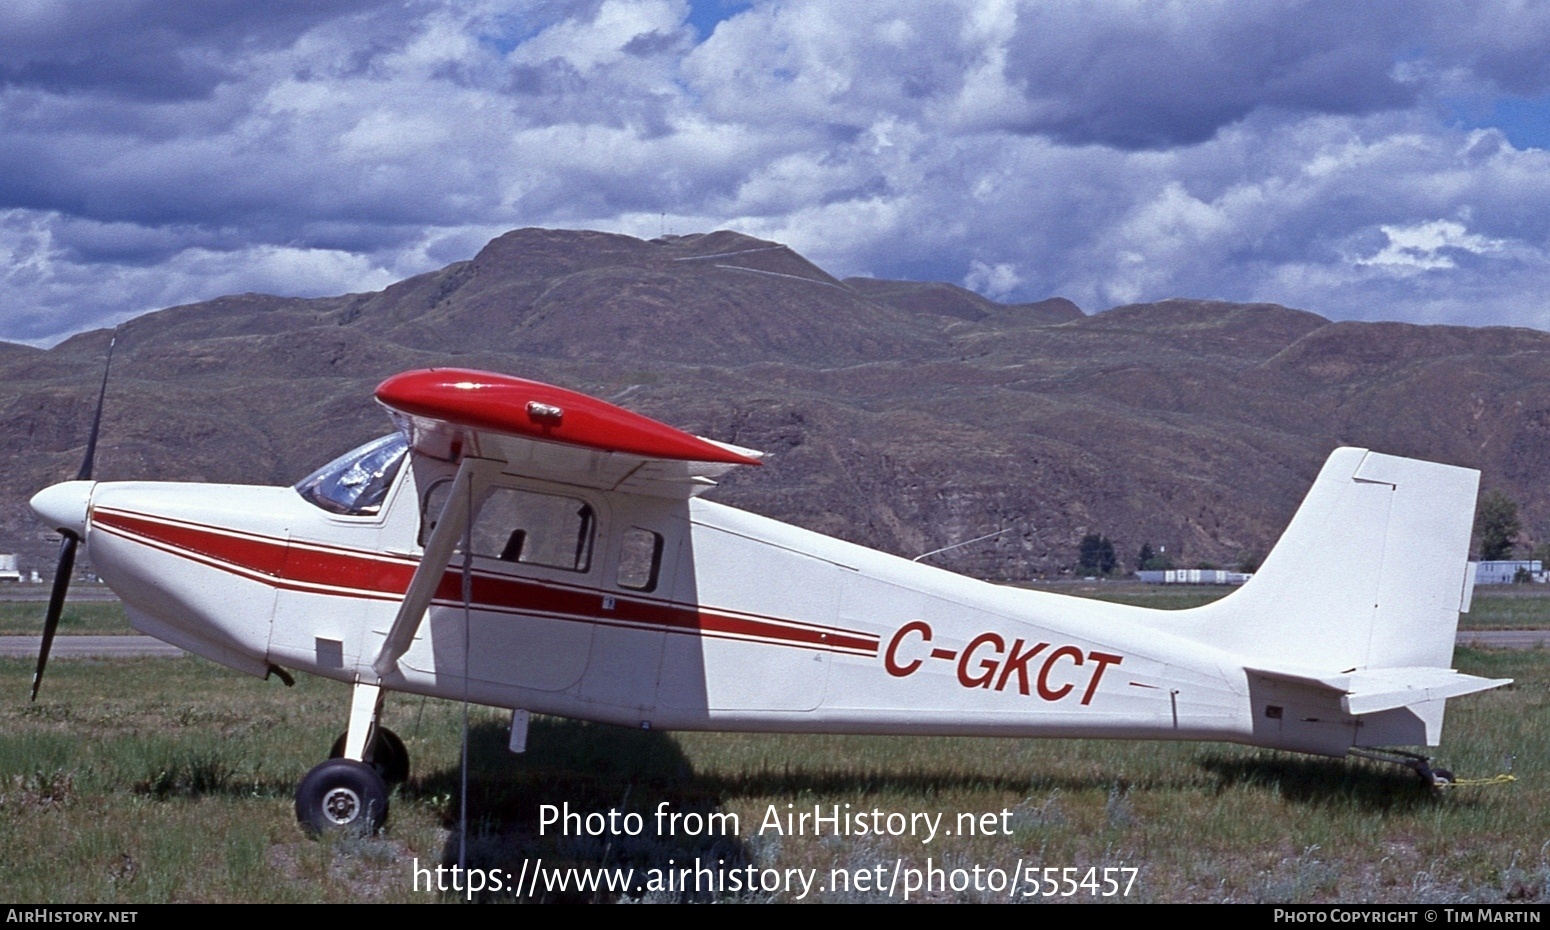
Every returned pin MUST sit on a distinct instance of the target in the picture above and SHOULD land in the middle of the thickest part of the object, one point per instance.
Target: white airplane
(524, 546)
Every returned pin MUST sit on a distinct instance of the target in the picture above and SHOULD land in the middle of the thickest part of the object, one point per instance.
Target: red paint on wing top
(500, 403)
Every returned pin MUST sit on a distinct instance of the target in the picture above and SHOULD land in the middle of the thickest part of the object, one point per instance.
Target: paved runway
(1504, 639)
(75, 647)
(66, 647)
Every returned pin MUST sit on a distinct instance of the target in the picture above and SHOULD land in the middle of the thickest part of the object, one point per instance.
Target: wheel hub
(341, 806)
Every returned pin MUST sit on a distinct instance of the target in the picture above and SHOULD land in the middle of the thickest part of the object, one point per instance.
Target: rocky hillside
(902, 415)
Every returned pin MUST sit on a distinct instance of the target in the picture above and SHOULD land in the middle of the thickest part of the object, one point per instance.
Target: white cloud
(1426, 246)
(607, 38)
(994, 281)
(49, 289)
(1104, 150)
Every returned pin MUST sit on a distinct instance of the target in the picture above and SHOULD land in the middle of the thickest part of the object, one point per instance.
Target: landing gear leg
(388, 755)
(365, 705)
(350, 793)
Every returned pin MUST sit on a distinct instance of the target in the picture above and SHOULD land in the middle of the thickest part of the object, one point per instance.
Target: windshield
(357, 482)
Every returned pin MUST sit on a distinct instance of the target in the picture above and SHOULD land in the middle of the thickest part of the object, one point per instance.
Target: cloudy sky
(1375, 160)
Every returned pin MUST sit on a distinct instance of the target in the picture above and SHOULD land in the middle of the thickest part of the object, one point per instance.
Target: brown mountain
(902, 415)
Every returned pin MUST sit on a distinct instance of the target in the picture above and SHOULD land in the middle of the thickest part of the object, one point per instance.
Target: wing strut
(450, 527)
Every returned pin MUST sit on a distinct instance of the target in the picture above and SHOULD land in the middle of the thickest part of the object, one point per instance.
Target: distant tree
(1096, 555)
(1248, 562)
(1541, 552)
(1153, 560)
(1497, 522)
(1087, 552)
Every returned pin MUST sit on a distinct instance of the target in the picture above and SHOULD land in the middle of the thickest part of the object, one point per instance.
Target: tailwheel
(340, 796)
(1421, 765)
(387, 754)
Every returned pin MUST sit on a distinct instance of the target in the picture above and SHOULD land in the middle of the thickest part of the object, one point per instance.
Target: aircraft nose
(63, 506)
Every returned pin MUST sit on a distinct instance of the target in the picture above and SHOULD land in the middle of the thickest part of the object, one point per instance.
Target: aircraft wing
(490, 423)
(546, 432)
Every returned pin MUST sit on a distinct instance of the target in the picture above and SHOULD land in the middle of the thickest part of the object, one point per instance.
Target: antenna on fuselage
(966, 542)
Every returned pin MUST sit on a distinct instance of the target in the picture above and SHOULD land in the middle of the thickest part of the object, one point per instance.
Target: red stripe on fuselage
(255, 553)
(303, 566)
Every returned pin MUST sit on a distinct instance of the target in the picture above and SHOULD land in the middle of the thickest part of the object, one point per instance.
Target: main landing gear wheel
(340, 796)
(388, 755)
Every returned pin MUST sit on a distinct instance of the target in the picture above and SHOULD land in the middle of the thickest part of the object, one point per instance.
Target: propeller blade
(56, 606)
(96, 421)
(62, 572)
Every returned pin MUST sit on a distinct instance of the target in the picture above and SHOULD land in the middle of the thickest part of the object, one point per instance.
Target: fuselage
(684, 614)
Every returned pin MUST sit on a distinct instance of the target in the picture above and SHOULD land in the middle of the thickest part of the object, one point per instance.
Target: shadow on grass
(577, 768)
(596, 769)
(584, 769)
(1326, 782)
(585, 799)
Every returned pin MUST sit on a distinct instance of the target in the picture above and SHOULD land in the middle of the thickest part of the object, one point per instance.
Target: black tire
(1442, 777)
(341, 796)
(389, 755)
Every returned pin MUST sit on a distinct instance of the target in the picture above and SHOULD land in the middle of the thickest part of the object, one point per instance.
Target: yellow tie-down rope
(1501, 779)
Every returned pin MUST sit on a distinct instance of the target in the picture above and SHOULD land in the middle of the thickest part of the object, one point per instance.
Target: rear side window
(640, 560)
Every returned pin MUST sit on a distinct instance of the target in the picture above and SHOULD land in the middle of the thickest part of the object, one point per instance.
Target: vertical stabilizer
(1369, 574)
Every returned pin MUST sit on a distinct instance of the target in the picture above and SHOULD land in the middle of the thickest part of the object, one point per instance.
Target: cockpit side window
(537, 529)
(357, 483)
(521, 526)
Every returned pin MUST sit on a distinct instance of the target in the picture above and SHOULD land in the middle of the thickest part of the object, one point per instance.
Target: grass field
(153, 780)
(25, 618)
(1508, 607)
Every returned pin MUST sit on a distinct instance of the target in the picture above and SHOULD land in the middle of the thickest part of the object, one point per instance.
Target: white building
(1506, 571)
(1194, 576)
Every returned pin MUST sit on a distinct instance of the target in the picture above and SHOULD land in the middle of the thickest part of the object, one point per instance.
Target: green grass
(142, 781)
(25, 618)
(1509, 607)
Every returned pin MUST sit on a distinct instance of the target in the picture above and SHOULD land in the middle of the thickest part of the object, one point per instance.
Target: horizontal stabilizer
(1372, 690)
